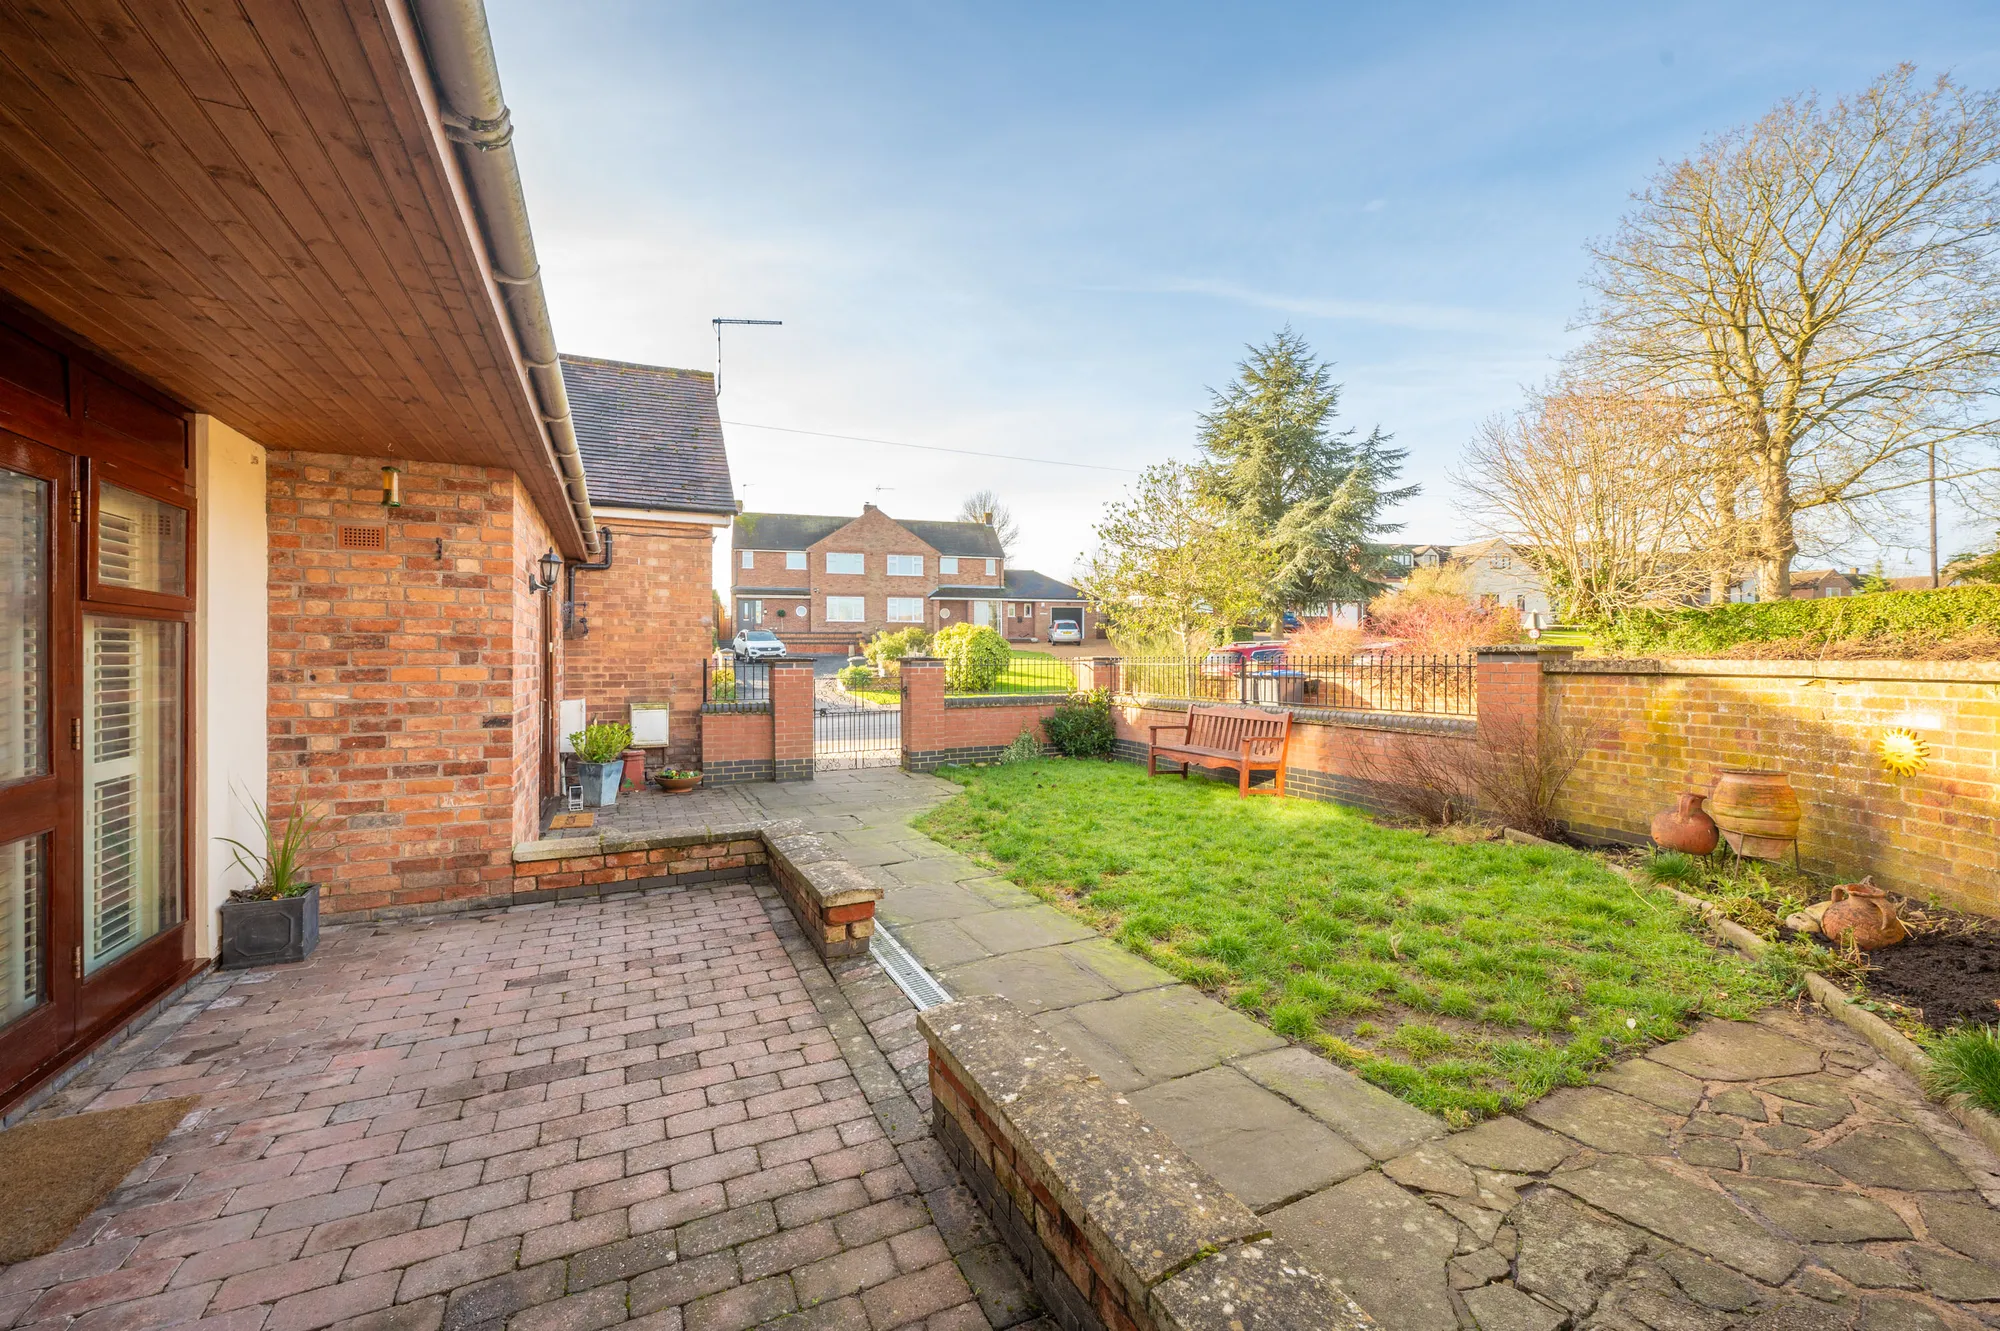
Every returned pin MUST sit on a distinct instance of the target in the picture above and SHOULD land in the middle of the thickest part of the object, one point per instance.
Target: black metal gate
(848, 734)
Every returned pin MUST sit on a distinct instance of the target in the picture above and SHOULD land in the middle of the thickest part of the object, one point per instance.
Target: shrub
(1896, 622)
(1432, 616)
(1523, 768)
(856, 677)
(1025, 748)
(1081, 725)
(601, 743)
(974, 657)
(892, 645)
(1325, 637)
(722, 685)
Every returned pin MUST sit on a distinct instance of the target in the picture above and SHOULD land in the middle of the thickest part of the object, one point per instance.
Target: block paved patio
(655, 1110)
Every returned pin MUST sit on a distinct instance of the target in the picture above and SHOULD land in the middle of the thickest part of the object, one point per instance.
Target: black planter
(265, 933)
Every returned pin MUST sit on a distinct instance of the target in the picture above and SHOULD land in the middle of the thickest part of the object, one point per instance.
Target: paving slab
(1968, 1227)
(1120, 969)
(1431, 1168)
(915, 905)
(1386, 1248)
(999, 893)
(1737, 1051)
(1166, 1033)
(936, 871)
(1603, 1119)
(1655, 1083)
(1256, 1144)
(1366, 1115)
(1032, 981)
(1820, 1215)
(1511, 1145)
(939, 944)
(1027, 927)
(1504, 1308)
(1685, 1212)
(1882, 1155)
(1109, 1064)
(1566, 1254)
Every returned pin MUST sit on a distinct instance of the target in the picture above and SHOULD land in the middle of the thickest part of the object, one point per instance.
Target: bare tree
(1617, 496)
(1823, 282)
(985, 506)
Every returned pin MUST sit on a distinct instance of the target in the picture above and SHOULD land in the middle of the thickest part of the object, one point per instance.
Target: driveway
(657, 1109)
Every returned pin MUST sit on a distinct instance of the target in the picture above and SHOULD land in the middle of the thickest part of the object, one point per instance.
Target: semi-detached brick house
(289, 478)
(827, 584)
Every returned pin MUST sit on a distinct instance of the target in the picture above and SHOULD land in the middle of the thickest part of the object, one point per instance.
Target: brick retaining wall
(736, 746)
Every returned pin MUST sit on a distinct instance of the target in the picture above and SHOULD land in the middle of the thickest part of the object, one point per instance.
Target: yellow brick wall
(1668, 727)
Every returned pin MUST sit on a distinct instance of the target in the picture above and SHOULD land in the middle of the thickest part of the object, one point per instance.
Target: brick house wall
(397, 679)
(1029, 621)
(536, 630)
(875, 536)
(651, 626)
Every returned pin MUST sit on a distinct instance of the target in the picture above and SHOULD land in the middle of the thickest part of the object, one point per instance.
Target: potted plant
(276, 918)
(675, 781)
(600, 761)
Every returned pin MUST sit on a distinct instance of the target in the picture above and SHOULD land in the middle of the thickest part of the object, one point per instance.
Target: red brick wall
(532, 540)
(395, 675)
(736, 746)
(1670, 726)
(792, 719)
(652, 624)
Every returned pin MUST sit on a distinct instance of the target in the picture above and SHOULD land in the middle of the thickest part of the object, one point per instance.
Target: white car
(756, 644)
(1065, 630)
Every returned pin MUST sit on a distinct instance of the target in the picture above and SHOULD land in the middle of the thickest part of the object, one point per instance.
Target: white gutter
(459, 47)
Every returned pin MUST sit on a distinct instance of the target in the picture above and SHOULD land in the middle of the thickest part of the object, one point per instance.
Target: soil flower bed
(1468, 978)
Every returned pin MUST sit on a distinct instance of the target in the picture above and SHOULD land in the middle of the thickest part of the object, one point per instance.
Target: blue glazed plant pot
(600, 782)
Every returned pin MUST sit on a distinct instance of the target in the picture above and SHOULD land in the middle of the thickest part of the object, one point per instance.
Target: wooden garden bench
(1247, 739)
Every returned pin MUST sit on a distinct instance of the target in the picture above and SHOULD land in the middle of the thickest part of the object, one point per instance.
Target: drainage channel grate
(917, 984)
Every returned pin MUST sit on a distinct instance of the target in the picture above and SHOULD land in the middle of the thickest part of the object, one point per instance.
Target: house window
(1502, 561)
(846, 563)
(904, 609)
(846, 609)
(1521, 603)
(795, 559)
(992, 567)
(947, 563)
(749, 559)
(906, 566)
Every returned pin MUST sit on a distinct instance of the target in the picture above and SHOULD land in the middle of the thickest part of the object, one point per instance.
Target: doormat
(58, 1170)
(573, 820)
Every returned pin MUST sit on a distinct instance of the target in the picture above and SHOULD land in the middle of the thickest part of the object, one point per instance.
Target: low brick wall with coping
(1118, 1229)
(832, 900)
(736, 744)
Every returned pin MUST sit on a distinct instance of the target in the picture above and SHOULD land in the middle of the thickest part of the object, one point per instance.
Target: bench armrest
(1157, 729)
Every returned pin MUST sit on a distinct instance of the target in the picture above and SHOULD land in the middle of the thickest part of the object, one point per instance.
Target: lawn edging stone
(1117, 1225)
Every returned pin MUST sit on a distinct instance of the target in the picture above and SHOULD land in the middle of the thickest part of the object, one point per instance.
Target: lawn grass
(1466, 977)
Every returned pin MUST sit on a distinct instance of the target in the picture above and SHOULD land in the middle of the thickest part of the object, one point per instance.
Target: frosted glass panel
(141, 542)
(23, 917)
(131, 783)
(24, 626)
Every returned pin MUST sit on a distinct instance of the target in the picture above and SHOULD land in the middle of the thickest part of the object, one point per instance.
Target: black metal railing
(1425, 685)
(850, 735)
(735, 686)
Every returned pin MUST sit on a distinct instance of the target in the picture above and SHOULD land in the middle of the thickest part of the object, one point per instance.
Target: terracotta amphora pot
(635, 766)
(1685, 827)
(1864, 911)
(1756, 810)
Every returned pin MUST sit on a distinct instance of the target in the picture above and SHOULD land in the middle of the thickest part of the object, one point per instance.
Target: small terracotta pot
(1865, 912)
(1685, 827)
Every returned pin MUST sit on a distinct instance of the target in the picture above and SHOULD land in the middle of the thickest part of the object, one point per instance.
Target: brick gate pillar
(1099, 672)
(1508, 690)
(923, 711)
(792, 719)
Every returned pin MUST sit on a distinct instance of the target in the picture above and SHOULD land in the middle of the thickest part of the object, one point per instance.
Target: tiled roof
(1027, 585)
(650, 436)
(796, 531)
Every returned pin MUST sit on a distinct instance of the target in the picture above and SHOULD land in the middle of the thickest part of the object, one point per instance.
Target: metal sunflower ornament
(1902, 752)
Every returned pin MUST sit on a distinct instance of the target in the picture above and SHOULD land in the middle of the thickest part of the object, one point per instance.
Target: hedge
(1922, 617)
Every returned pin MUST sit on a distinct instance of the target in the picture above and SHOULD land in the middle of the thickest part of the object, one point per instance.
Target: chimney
(868, 508)
(987, 517)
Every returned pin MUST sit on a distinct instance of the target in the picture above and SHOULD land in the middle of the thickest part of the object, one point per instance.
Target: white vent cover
(649, 725)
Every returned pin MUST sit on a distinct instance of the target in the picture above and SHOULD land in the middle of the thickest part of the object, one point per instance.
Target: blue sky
(1047, 230)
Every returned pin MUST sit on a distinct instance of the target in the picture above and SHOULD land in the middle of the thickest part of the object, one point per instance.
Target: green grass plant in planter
(600, 758)
(276, 918)
(1966, 1062)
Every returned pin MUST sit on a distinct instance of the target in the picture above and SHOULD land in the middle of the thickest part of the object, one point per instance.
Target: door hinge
(76, 506)
(77, 962)
(76, 733)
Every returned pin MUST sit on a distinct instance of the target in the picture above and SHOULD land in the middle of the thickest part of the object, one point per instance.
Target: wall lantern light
(551, 565)
(392, 488)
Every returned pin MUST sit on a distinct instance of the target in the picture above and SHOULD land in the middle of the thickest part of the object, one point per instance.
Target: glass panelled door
(132, 691)
(37, 590)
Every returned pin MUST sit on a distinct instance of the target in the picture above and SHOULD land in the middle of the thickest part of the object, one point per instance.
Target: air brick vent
(361, 538)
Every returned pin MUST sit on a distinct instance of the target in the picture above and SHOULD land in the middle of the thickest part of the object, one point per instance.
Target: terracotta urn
(635, 767)
(1865, 912)
(1685, 827)
(1757, 811)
